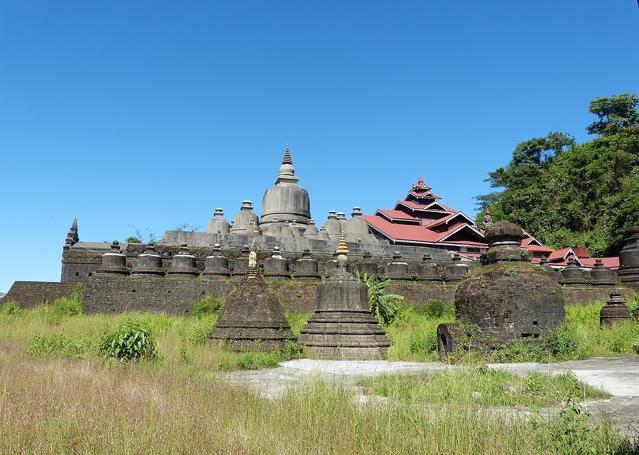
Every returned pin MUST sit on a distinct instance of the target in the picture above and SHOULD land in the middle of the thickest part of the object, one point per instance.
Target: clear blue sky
(151, 114)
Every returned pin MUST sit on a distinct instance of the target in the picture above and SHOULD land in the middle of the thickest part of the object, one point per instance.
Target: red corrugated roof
(397, 215)
(424, 207)
(560, 254)
(416, 233)
(543, 249)
(609, 262)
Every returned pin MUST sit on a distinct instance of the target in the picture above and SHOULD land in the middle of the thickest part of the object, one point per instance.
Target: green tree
(569, 194)
(615, 113)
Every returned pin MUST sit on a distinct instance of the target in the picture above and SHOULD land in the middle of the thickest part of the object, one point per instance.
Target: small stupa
(252, 318)
(342, 326)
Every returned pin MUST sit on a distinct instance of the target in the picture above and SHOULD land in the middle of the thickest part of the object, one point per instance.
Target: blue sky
(152, 113)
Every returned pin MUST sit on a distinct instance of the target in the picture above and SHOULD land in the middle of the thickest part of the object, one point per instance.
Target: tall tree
(569, 194)
(615, 114)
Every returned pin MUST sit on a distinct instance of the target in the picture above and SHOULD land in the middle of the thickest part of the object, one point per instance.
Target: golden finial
(341, 247)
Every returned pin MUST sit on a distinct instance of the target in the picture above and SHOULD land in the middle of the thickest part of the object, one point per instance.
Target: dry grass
(84, 406)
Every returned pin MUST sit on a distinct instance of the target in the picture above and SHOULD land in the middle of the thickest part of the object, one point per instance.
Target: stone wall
(581, 295)
(177, 296)
(29, 294)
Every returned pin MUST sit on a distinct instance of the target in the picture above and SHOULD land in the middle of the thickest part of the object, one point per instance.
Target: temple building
(421, 219)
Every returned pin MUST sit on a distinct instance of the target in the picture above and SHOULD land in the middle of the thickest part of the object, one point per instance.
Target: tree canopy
(569, 194)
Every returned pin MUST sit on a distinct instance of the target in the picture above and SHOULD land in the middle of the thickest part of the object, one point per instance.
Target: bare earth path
(619, 376)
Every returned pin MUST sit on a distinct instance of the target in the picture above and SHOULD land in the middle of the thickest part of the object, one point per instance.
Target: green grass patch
(483, 386)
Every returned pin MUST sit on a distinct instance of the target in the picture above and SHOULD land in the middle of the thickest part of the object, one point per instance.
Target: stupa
(252, 318)
(343, 327)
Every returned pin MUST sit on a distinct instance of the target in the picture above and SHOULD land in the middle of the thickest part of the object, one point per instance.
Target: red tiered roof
(421, 219)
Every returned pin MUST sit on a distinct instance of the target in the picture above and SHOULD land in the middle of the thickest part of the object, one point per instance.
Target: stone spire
(72, 235)
(287, 156)
(287, 171)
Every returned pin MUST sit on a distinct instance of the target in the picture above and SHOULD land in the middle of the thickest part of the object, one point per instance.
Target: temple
(420, 219)
(425, 247)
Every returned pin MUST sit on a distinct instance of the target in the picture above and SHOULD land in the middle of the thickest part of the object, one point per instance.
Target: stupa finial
(287, 156)
(342, 248)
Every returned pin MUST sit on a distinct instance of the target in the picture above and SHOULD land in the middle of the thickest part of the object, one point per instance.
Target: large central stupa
(286, 203)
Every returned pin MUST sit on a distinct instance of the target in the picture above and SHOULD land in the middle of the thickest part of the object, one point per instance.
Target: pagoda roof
(397, 215)
(417, 233)
(414, 206)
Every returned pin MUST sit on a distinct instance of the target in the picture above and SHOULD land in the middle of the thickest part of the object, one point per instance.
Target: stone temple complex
(424, 247)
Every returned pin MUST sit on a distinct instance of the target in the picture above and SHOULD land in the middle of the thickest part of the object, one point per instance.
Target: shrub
(10, 308)
(572, 432)
(131, 342)
(61, 346)
(434, 308)
(207, 306)
(68, 306)
(197, 331)
(521, 351)
(383, 306)
(564, 344)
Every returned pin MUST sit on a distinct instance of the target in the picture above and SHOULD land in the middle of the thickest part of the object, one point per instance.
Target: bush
(131, 342)
(68, 306)
(434, 308)
(207, 306)
(61, 346)
(564, 344)
(197, 331)
(521, 351)
(10, 308)
(383, 306)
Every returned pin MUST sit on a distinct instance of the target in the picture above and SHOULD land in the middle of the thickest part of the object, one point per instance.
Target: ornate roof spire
(287, 156)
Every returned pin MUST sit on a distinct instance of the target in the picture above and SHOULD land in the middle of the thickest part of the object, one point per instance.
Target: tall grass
(483, 386)
(52, 406)
(182, 341)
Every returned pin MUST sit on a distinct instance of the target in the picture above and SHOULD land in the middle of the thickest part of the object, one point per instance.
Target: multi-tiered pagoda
(420, 219)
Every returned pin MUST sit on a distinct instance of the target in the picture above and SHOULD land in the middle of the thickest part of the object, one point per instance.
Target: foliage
(207, 306)
(68, 306)
(482, 386)
(571, 434)
(297, 321)
(383, 306)
(131, 342)
(520, 350)
(413, 334)
(10, 308)
(569, 194)
(434, 308)
(60, 345)
(142, 237)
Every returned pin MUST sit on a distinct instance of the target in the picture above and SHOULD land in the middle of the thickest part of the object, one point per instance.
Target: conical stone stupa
(342, 326)
(252, 318)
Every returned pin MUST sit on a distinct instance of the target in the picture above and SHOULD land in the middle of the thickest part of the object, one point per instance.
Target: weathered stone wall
(29, 294)
(581, 295)
(417, 293)
(178, 295)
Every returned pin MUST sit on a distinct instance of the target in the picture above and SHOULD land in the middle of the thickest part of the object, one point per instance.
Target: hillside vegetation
(569, 194)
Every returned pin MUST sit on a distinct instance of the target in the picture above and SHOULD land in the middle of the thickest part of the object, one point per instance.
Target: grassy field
(52, 405)
(59, 395)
